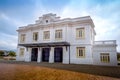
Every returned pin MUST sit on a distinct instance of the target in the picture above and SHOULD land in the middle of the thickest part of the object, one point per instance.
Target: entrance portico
(48, 52)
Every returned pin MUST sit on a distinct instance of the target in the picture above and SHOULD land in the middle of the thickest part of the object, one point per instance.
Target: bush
(1, 53)
(12, 53)
(118, 56)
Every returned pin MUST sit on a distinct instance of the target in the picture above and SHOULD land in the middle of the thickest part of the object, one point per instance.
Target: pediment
(47, 18)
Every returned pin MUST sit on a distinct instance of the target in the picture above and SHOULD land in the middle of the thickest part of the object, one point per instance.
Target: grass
(27, 72)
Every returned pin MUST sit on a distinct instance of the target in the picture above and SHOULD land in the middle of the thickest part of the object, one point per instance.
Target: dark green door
(45, 54)
(58, 54)
(34, 54)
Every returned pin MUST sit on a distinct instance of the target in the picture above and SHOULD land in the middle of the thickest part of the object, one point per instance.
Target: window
(21, 52)
(104, 57)
(46, 21)
(46, 35)
(22, 38)
(58, 34)
(80, 33)
(35, 36)
(80, 52)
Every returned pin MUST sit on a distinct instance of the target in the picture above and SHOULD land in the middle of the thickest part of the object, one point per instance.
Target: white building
(69, 41)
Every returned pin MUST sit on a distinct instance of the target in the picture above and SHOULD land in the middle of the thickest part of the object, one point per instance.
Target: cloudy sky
(16, 13)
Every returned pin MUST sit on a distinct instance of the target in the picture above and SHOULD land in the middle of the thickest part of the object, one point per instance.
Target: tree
(118, 56)
(1, 53)
(12, 53)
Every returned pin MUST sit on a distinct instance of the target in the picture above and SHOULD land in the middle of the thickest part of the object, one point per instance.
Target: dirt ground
(31, 72)
(109, 71)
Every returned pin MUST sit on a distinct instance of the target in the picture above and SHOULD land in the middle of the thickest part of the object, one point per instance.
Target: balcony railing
(105, 42)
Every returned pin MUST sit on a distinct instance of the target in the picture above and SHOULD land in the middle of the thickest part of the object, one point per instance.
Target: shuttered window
(80, 52)
(21, 52)
(46, 35)
(22, 38)
(58, 34)
(104, 57)
(35, 36)
(80, 33)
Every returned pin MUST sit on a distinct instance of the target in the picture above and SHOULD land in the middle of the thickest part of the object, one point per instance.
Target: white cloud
(11, 20)
(6, 46)
(8, 42)
(105, 18)
(41, 9)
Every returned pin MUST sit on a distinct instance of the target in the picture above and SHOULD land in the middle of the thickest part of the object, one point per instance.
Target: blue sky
(16, 13)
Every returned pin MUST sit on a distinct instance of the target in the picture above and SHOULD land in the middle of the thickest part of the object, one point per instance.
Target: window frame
(105, 57)
(80, 33)
(80, 52)
(46, 21)
(58, 34)
(34, 36)
(22, 52)
(22, 38)
(46, 34)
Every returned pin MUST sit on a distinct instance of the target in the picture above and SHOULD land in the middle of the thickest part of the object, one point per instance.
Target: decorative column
(51, 57)
(39, 55)
(66, 55)
(28, 55)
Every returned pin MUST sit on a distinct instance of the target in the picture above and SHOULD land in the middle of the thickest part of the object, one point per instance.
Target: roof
(50, 44)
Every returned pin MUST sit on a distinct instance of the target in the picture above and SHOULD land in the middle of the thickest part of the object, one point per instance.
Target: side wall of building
(109, 49)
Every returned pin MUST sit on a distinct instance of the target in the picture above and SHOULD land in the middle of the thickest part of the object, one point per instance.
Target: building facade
(69, 41)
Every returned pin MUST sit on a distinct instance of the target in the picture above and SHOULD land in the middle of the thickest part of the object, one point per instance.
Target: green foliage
(118, 57)
(1, 53)
(12, 53)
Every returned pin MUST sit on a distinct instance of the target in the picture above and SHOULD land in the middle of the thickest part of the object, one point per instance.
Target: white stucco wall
(28, 55)
(18, 57)
(72, 35)
(86, 60)
(111, 49)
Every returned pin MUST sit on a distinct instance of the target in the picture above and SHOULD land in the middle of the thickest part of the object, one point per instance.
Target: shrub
(1, 53)
(118, 56)
(12, 53)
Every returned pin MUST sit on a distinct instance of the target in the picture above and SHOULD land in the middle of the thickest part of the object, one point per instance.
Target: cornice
(59, 23)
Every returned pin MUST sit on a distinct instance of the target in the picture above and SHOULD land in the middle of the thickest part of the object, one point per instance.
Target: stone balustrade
(105, 42)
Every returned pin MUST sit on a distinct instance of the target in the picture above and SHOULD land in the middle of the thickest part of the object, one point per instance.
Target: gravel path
(110, 71)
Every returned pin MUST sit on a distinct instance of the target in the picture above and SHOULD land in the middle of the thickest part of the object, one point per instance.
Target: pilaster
(66, 55)
(51, 57)
(39, 55)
